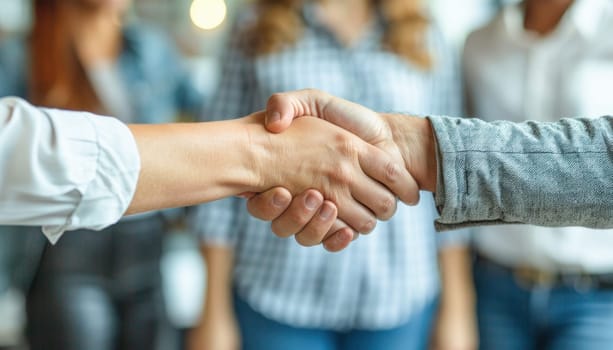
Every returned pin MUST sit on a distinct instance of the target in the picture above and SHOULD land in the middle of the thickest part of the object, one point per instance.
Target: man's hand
(283, 108)
(351, 173)
(309, 216)
(408, 140)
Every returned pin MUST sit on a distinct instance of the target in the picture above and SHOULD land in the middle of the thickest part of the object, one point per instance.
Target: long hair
(57, 77)
(279, 25)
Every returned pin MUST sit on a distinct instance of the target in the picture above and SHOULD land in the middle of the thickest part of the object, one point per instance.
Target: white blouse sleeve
(64, 170)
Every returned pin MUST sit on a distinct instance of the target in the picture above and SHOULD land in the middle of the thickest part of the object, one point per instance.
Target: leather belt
(531, 277)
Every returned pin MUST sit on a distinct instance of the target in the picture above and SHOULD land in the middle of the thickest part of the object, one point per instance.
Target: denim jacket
(547, 174)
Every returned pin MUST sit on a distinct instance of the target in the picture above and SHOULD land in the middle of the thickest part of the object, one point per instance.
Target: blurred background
(199, 29)
(201, 33)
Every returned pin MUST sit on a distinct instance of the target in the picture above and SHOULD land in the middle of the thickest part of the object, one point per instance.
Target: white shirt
(64, 170)
(515, 75)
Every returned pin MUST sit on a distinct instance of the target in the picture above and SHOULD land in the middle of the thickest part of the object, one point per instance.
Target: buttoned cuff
(450, 181)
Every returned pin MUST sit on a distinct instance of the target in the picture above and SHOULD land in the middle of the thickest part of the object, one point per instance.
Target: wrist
(258, 151)
(415, 140)
(252, 145)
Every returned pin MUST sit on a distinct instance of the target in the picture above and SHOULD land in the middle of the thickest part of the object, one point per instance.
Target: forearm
(217, 327)
(456, 324)
(549, 174)
(457, 295)
(219, 264)
(183, 164)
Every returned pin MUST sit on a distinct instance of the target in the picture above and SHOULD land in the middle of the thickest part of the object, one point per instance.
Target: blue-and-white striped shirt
(384, 277)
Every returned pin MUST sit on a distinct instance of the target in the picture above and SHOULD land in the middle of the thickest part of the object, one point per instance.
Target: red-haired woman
(97, 290)
(269, 293)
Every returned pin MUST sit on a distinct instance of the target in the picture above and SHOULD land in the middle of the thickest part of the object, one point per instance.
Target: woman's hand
(349, 172)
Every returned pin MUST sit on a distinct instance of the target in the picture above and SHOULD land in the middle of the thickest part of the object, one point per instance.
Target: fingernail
(279, 201)
(326, 212)
(273, 117)
(311, 202)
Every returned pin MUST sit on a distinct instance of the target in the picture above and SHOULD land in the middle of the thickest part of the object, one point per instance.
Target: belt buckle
(529, 277)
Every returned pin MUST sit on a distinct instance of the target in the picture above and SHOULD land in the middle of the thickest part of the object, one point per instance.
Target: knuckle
(307, 238)
(342, 173)
(297, 217)
(345, 145)
(367, 226)
(387, 208)
(280, 230)
(392, 172)
(275, 96)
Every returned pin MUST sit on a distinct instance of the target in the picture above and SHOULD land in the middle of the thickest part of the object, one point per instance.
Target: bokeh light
(208, 14)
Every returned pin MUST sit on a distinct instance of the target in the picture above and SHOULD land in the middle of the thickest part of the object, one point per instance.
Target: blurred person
(97, 290)
(537, 287)
(268, 293)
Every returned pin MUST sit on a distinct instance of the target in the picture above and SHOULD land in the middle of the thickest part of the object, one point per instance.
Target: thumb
(283, 108)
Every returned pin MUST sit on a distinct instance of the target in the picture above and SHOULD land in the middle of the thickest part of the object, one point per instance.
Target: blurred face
(116, 5)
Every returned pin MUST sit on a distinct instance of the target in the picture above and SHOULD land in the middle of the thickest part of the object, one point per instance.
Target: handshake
(319, 167)
(325, 169)
(339, 171)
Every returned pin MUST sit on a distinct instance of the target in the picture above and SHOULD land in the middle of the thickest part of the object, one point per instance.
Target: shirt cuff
(107, 188)
(450, 177)
(457, 209)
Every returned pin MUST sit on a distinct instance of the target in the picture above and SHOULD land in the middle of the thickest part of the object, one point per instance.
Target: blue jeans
(514, 317)
(260, 333)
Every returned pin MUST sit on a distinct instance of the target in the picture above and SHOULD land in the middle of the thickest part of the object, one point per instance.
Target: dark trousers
(99, 290)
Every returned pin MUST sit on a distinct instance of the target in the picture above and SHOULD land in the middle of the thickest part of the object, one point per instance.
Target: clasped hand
(341, 170)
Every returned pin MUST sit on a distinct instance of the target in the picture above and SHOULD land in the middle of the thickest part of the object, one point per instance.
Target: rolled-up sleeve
(547, 174)
(64, 170)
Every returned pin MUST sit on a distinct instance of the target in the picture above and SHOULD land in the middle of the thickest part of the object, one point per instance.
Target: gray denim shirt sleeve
(547, 174)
